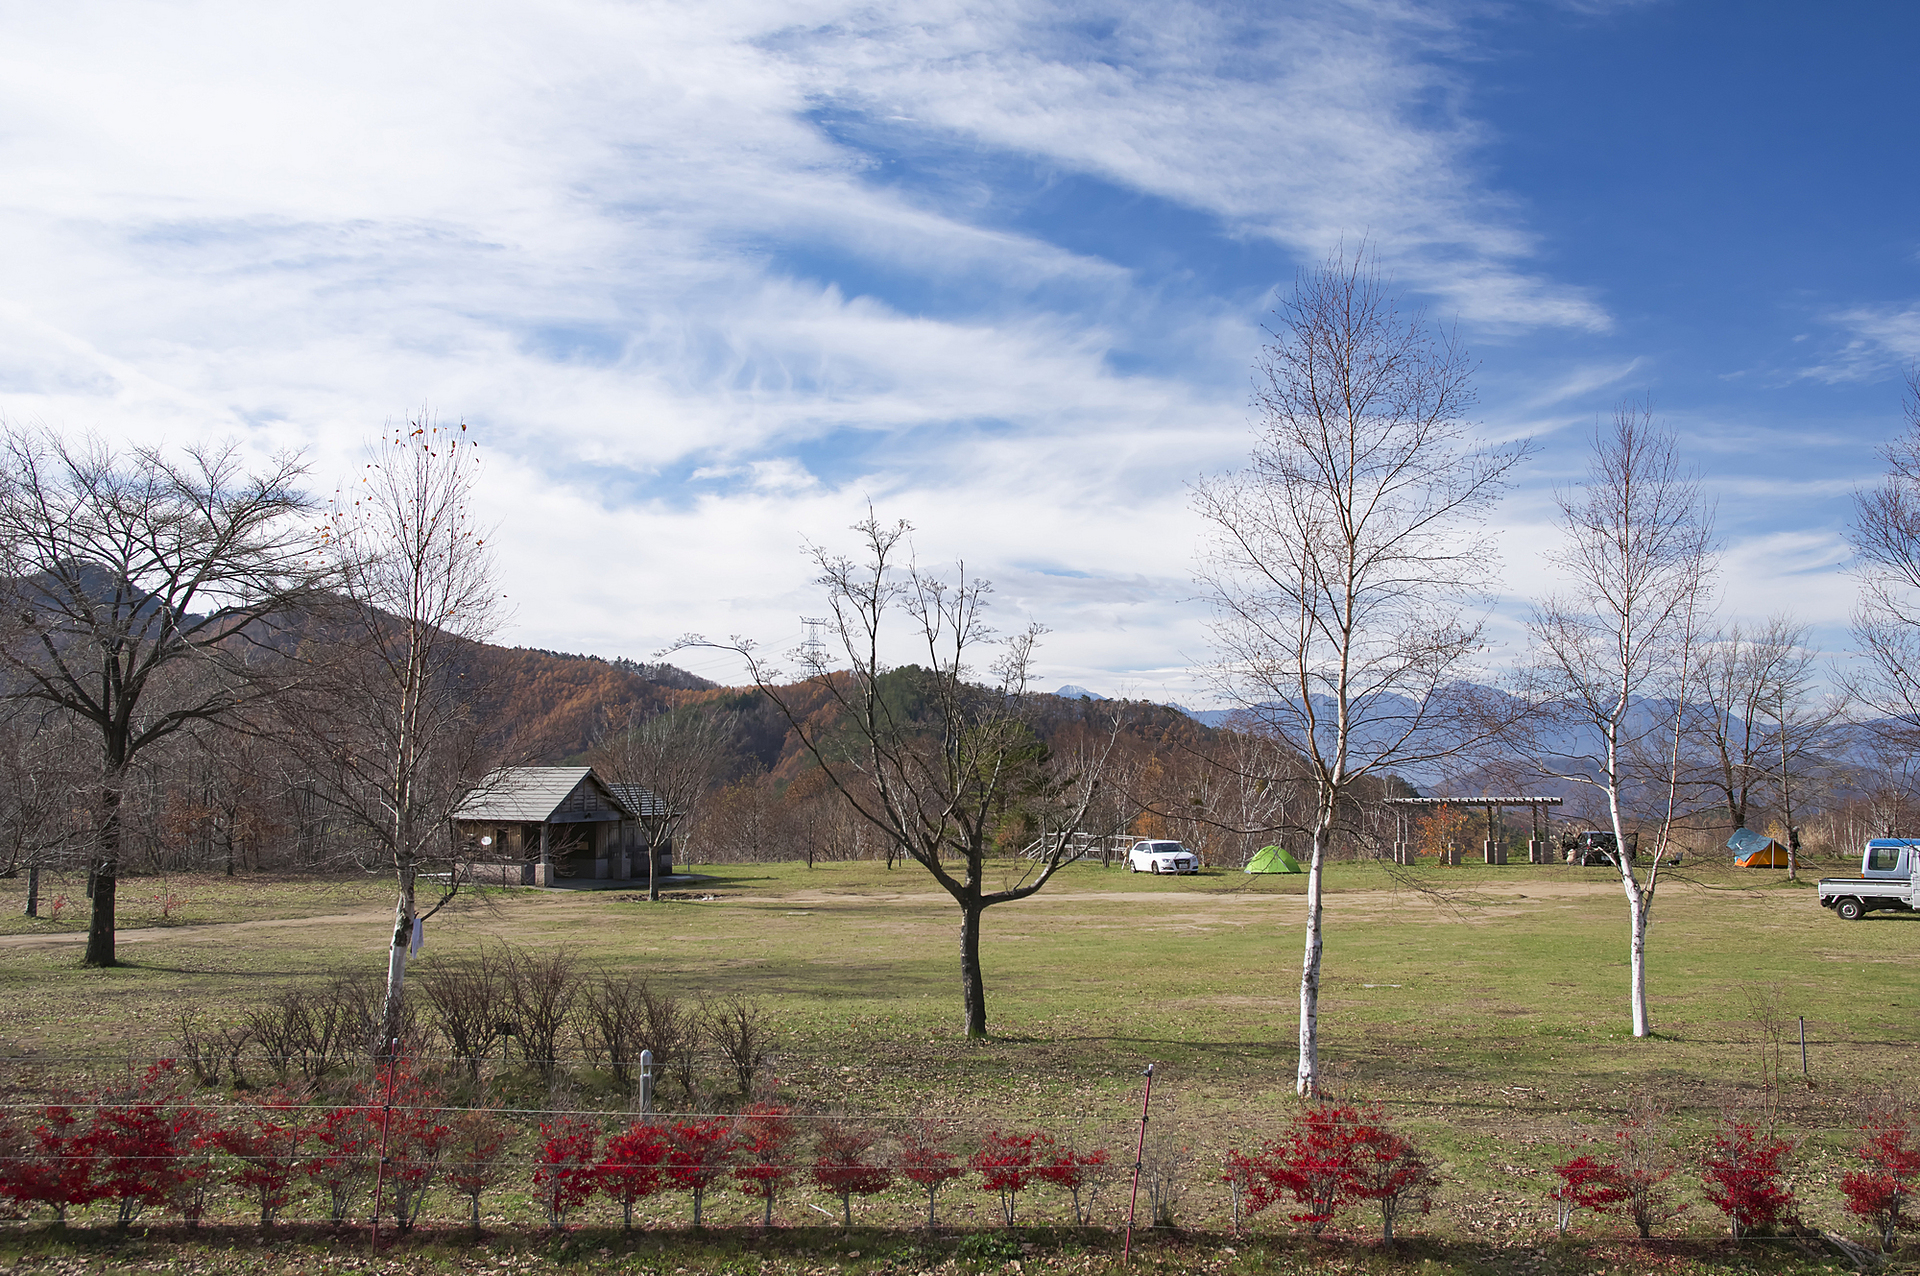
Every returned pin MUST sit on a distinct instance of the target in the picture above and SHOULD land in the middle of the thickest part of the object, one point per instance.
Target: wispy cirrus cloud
(1877, 341)
(1320, 123)
(708, 278)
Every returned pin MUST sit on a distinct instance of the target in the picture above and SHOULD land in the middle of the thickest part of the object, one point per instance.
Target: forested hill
(550, 706)
(763, 742)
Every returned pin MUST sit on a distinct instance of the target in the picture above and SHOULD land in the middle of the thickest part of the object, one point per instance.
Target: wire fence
(400, 1143)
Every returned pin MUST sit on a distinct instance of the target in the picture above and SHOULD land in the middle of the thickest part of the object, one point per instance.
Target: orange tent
(1756, 850)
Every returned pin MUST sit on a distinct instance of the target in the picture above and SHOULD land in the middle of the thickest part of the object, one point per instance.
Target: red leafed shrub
(1742, 1178)
(926, 1163)
(763, 1153)
(475, 1152)
(1238, 1171)
(197, 1136)
(1079, 1175)
(1631, 1182)
(139, 1141)
(1334, 1154)
(844, 1164)
(630, 1167)
(563, 1171)
(48, 1160)
(343, 1145)
(1384, 1166)
(1007, 1163)
(1880, 1193)
(1310, 1164)
(1586, 1183)
(698, 1153)
(264, 1141)
(416, 1138)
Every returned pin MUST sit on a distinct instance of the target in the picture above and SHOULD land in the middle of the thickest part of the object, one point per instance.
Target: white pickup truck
(1889, 878)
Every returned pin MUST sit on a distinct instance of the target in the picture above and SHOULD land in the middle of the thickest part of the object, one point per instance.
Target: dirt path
(1368, 901)
(1528, 889)
(204, 933)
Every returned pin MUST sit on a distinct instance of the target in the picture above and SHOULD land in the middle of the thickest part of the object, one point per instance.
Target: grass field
(1485, 1007)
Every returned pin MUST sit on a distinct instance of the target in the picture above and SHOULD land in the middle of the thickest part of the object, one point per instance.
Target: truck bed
(1854, 885)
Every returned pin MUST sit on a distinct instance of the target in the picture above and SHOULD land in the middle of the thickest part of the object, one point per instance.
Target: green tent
(1273, 859)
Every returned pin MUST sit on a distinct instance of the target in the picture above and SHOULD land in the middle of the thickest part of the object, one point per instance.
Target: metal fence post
(1139, 1155)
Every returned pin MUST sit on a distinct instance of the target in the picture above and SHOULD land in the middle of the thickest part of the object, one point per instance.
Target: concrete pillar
(1496, 852)
(1537, 852)
(545, 875)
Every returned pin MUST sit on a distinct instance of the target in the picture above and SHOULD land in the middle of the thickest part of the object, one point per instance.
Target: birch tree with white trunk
(1609, 681)
(418, 580)
(1347, 562)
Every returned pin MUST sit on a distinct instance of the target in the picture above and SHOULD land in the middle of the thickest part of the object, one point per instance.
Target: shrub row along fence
(503, 1005)
(151, 1148)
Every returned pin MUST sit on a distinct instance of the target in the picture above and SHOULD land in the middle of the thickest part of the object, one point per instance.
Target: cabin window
(1883, 859)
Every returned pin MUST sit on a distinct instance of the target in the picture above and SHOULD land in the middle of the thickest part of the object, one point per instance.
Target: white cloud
(1294, 127)
(1879, 340)
(593, 228)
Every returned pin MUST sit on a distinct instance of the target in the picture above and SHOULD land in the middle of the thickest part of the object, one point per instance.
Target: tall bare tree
(1804, 726)
(925, 754)
(678, 757)
(1736, 674)
(1755, 724)
(1345, 560)
(418, 586)
(1886, 620)
(1614, 650)
(136, 583)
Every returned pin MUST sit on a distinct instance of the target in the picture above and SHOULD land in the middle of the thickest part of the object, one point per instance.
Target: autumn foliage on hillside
(544, 709)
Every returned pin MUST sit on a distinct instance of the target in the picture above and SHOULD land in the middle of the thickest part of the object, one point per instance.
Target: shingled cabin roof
(646, 802)
(531, 794)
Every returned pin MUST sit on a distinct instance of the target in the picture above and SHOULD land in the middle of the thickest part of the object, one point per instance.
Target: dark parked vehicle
(1597, 848)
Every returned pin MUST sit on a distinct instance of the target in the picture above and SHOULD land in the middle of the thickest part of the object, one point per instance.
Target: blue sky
(708, 278)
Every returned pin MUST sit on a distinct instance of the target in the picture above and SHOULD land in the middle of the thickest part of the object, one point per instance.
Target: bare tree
(1886, 621)
(43, 760)
(1345, 558)
(418, 584)
(1803, 724)
(136, 584)
(1734, 680)
(1613, 652)
(1743, 681)
(676, 757)
(928, 757)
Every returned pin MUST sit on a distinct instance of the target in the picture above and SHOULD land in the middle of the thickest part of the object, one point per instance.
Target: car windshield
(1165, 848)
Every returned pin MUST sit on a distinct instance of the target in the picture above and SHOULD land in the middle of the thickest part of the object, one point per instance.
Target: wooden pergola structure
(1495, 853)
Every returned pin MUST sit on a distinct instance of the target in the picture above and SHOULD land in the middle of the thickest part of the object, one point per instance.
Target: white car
(1162, 857)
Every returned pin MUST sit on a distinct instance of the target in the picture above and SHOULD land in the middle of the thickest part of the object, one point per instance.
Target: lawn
(1485, 1007)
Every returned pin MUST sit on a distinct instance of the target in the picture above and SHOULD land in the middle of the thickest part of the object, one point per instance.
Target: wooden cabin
(542, 824)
